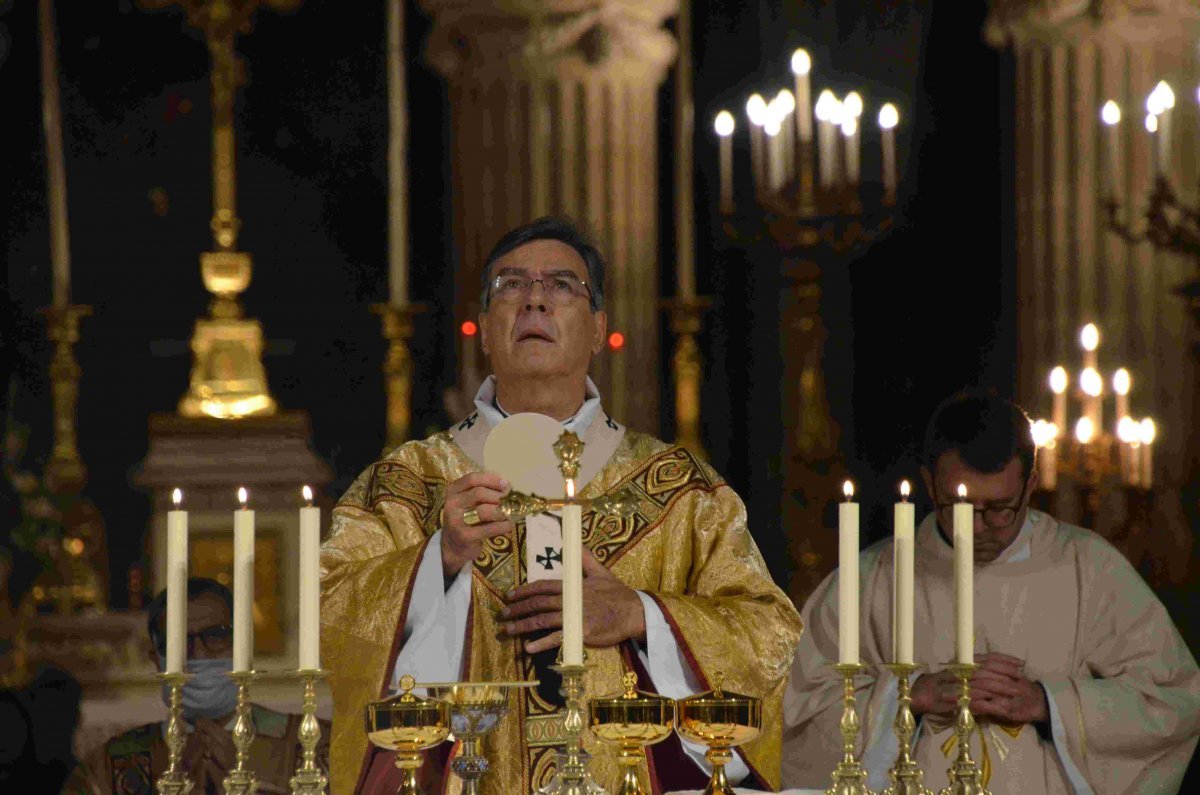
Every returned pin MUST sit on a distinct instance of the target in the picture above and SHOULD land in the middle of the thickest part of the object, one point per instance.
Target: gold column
(228, 380)
(553, 109)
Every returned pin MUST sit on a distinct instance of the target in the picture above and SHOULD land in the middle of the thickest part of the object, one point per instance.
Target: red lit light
(469, 328)
(616, 340)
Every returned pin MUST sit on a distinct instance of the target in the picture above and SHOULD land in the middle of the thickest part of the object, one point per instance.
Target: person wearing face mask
(131, 762)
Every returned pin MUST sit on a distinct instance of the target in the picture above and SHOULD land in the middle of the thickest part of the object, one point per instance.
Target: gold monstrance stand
(228, 380)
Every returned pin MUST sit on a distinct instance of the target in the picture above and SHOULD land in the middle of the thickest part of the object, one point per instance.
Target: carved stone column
(553, 110)
(1071, 58)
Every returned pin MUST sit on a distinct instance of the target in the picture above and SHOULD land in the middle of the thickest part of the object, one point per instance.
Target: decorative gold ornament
(849, 777)
(906, 775)
(475, 709)
(569, 449)
(241, 780)
(397, 323)
(720, 720)
(687, 368)
(965, 776)
(571, 775)
(65, 472)
(518, 505)
(309, 779)
(632, 721)
(408, 725)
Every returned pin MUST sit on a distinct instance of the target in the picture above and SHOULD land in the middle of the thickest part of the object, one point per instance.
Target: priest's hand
(462, 542)
(999, 690)
(612, 611)
(220, 754)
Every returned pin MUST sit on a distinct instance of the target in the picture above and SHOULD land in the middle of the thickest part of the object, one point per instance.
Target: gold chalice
(408, 725)
(631, 721)
(475, 709)
(720, 720)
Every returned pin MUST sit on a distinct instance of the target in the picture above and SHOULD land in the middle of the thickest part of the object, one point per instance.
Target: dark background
(926, 310)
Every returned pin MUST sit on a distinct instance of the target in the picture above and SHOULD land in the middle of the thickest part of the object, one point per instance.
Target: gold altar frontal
(209, 459)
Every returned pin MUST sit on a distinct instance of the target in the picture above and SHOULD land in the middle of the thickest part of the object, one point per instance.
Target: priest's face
(1001, 501)
(548, 330)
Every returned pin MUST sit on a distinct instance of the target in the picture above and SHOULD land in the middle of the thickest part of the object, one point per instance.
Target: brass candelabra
(309, 779)
(905, 774)
(241, 780)
(849, 777)
(174, 780)
(965, 776)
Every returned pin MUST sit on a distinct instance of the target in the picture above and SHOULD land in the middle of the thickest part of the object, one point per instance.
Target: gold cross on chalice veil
(569, 449)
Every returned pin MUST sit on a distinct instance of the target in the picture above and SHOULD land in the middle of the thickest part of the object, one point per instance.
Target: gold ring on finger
(471, 517)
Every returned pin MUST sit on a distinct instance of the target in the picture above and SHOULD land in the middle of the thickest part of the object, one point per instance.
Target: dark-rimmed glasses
(216, 639)
(997, 517)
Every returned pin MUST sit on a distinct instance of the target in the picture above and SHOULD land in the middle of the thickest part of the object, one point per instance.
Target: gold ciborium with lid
(408, 725)
(721, 720)
(632, 721)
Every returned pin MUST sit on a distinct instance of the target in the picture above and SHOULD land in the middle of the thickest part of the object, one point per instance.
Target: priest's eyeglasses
(216, 640)
(997, 517)
(560, 288)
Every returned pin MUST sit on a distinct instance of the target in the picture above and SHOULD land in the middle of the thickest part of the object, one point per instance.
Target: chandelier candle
(964, 577)
(902, 601)
(848, 578)
(310, 588)
(177, 572)
(243, 584)
(572, 558)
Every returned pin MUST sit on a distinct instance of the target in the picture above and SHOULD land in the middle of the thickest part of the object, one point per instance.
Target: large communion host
(421, 574)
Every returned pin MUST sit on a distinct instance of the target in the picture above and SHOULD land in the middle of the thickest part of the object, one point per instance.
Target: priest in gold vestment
(1084, 685)
(421, 573)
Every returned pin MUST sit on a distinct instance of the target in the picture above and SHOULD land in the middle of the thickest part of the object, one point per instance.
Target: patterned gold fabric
(687, 546)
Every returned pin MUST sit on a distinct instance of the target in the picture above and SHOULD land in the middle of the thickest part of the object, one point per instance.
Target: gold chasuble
(687, 546)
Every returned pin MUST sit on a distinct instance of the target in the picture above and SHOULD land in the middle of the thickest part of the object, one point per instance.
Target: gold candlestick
(687, 366)
(906, 775)
(174, 781)
(849, 777)
(397, 324)
(965, 777)
(309, 779)
(241, 780)
(571, 776)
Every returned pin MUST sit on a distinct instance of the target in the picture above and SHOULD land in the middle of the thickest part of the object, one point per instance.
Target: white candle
(1092, 386)
(1111, 116)
(825, 138)
(889, 117)
(177, 570)
(310, 584)
(964, 577)
(850, 134)
(1058, 385)
(1129, 437)
(756, 111)
(1045, 436)
(801, 66)
(902, 626)
(1166, 99)
(848, 578)
(774, 152)
(572, 559)
(725, 125)
(56, 173)
(1135, 460)
(397, 156)
(1122, 383)
(1155, 153)
(243, 585)
(1089, 340)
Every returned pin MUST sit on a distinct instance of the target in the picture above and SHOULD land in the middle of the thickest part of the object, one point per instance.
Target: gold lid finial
(407, 683)
(569, 449)
(630, 680)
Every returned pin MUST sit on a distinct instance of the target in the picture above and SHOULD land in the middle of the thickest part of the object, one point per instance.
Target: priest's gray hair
(550, 228)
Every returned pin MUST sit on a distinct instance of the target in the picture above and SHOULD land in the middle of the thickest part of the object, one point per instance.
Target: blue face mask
(209, 693)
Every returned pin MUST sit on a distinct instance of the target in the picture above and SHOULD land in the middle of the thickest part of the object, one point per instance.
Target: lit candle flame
(1122, 382)
(849, 126)
(889, 117)
(1041, 432)
(1058, 380)
(853, 104)
(307, 492)
(570, 488)
(243, 496)
(1085, 430)
(1089, 337)
(1091, 382)
(785, 100)
(1128, 430)
(724, 124)
(905, 489)
(1147, 431)
(801, 62)
(1110, 114)
(1151, 123)
(825, 103)
(848, 490)
(177, 497)
(756, 109)
(962, 491)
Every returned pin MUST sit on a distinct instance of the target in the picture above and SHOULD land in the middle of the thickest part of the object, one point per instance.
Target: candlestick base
(907, 777)
(965, 777)
(241, 780)
(309, 779)
(849, 777)
(174, 780)
(571, 776)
